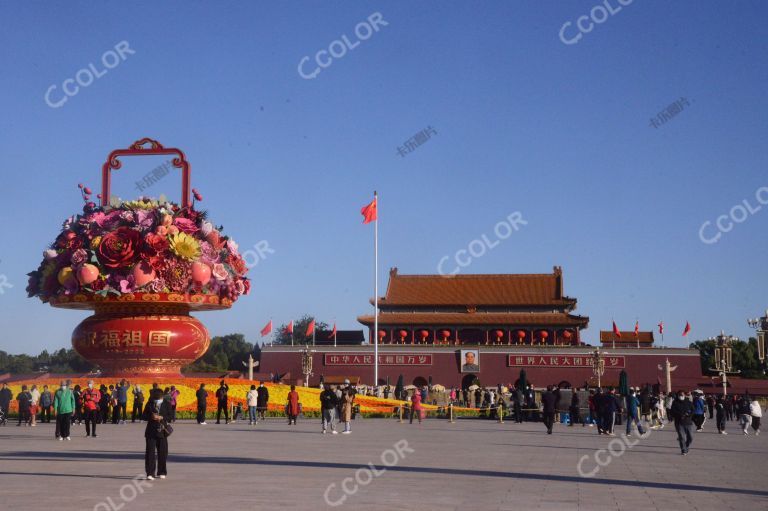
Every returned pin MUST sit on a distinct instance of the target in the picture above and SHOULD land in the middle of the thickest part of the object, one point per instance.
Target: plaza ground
(470, 464)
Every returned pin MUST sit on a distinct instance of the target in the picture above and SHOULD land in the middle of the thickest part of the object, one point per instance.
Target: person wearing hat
(157, 413)
(63, 407)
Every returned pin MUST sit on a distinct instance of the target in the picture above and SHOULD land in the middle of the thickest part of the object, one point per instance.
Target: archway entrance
(420, 381)
(468, 380)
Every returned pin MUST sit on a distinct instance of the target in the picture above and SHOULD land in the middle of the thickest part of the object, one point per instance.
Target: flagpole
(313, 336)
(376, 293)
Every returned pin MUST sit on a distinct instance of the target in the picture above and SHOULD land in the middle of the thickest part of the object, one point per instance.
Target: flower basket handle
(146, 146)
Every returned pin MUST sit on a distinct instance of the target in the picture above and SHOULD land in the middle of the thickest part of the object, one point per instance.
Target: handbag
(167, 429)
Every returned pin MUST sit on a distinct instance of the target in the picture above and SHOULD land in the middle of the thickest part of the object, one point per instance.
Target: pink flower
(208, 254)
(145, 218)
(161, 230)
(206, 228)
(232, 246)
(166, 220)
(51, 254)
(185, 225)
(220, 272)
(240, 287)
(173, 230)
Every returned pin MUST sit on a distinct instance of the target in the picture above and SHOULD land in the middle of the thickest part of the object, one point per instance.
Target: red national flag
(267, 329)
(687, 329)
(637, 328)
(310, 329)
(616, 331)
(370, 211)
(333, 332)
(661, 327)
(289, 328)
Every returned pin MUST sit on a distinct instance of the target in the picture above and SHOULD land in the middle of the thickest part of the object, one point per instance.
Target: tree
(743, 355)
(299, 329)
(226, 353)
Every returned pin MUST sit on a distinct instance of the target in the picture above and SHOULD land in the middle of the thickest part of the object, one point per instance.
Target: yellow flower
(95, 242)
(185, 246)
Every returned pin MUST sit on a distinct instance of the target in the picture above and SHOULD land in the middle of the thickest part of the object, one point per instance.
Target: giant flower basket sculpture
(142, 266)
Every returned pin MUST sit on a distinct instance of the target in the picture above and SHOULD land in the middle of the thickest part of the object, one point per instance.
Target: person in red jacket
(91, 397)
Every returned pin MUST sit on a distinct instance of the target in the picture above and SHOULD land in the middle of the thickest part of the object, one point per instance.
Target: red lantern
(424, 334)
(403, 334)
(567, 335)
(499, 334)
(543, 334)
(382, 334)
(446, 333)
(521, 334)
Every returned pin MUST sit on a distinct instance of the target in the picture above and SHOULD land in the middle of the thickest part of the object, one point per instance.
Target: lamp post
(306, 364)
(761, 325)
(723, 357)
(598, 365)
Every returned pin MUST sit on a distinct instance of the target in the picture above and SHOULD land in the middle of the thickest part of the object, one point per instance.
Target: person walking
(252, 399)
(202, 403)
(157, 413)
(720, 415)
(222, 402)
(682, 413)
(757, 413)
(292, 407)
(633, 406)
(710, 405)
(63, 406)
(138, 403)
(328, 404)
(24, 399)
(608, 412)
(6, 396)
(91, 398)
(699, 408)
(33, 405)
(262, 401)
(46, 404)
(347, 402)
(745, 418)
(416, 407)
(548, 404)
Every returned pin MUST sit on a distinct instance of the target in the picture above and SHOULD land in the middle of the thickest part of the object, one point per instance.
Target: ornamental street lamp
(761, 325)
(598, 365)
(306, 364)
(723, 357)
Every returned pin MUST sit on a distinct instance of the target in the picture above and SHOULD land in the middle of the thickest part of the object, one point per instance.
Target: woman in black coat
(157, 413)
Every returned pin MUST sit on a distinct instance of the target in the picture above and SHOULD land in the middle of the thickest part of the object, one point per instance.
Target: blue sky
(560, 133)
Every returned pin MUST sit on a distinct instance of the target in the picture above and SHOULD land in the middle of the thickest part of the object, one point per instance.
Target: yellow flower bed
(187, 400)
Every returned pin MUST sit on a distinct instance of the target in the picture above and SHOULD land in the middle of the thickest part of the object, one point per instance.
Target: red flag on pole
(289, 328)
(369, 212)
(310, 329)
(687, 329)
(333, 332)
(661, 328)
(616, 331)
(267, 329)
(637, 328)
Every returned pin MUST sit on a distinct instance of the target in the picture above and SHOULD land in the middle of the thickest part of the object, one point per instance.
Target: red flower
(237, 264)
(155, 244)
(119, 248)
(69, 240)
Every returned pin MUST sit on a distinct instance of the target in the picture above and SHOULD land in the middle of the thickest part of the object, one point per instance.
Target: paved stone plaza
(471, 464)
